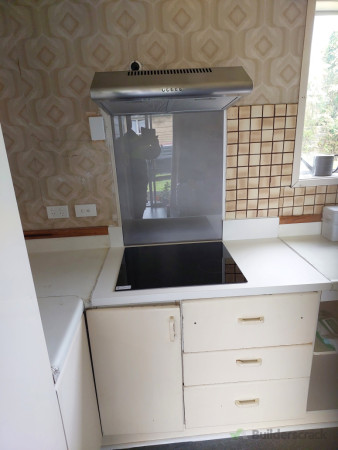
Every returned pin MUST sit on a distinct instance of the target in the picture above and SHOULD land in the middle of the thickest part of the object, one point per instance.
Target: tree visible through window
(320, 133)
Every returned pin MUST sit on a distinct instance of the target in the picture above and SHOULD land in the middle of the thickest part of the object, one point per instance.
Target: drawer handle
(172, 333)
(247, 403)
(249, 362)
(251, 319)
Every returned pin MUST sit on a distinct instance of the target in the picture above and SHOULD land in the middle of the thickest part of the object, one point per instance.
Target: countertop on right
(321, 253)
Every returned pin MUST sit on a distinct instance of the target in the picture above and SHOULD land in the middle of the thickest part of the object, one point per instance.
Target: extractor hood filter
(170, 90)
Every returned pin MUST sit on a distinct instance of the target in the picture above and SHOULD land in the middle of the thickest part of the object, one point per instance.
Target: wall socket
(85, 210)
(57, 212)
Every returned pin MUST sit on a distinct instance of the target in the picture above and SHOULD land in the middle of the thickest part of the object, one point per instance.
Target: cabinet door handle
(247, 403)
(172, 333)
(259, 319)
(249, 362)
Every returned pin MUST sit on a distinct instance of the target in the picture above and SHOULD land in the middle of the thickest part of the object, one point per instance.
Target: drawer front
(232, 403)
(244, 322)
(252, 364)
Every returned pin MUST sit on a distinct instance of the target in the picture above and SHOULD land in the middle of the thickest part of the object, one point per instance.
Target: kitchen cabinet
(77, 398)
(137, 366)
(247, 359)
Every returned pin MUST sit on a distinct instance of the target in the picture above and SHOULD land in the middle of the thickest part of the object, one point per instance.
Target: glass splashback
(170, 176)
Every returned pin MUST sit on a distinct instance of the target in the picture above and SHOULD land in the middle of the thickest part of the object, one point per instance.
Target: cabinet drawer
(244, 322)
(240, 403)
(228, 366)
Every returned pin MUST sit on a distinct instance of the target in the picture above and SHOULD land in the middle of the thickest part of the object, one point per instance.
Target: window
(317, 126)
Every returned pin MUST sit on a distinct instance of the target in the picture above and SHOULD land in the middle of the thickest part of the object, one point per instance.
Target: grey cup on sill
(323, 165)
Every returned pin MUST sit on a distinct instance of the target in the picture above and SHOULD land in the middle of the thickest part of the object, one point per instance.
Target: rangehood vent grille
(133, 73)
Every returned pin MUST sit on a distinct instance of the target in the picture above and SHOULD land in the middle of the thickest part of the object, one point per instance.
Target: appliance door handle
(258, 319)
(249, 362)
(247, 403)
(172, 333)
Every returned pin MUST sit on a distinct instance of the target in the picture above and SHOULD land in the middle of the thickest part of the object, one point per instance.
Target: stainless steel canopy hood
(169, 90)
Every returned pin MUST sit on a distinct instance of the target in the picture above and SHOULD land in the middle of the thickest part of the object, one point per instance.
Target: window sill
(316, 181)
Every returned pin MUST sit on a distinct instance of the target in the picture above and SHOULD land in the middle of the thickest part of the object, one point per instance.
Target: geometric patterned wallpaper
(49, 51)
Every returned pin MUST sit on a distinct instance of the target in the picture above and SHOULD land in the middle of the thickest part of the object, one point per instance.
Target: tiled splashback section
(260, 152)
(49, 51)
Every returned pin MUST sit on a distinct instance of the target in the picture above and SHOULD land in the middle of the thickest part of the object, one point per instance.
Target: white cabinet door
(77, 398)
(137, 366)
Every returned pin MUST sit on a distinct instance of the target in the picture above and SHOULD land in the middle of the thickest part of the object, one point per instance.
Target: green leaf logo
(237, 433)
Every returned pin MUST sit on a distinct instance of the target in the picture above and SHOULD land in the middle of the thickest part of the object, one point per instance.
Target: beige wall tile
(243, 137)
(252, 193)
(280, 110)
(266, 147)
(232, 149)
(264, 182)
(243, 124)
(292, 109)
(242, 194)
(268, 111)
(308, 210)
(243, 160)
(251, 214)
(297, 210)
(253, 182)
(256, 124)
(279, 122)
(241, 214)
(254, 160)
(244, 112)
(232, 113)
(231, 173)
(242, 183)
(231, 196)
(256, 111)
(243, 149)
(232, 125)
(252, 204)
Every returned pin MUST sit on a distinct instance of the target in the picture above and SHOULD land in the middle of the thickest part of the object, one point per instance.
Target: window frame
(296, 180)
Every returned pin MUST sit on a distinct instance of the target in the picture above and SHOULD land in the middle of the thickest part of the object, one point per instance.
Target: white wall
(29, 413)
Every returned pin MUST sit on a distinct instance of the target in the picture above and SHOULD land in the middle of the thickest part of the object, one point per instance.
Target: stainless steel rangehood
(170, 90)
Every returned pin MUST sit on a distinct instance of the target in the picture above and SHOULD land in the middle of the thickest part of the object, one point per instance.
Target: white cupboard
(77, 398)
(138, 369)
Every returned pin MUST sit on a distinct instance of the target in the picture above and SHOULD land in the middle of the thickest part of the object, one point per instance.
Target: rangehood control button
(172, 89)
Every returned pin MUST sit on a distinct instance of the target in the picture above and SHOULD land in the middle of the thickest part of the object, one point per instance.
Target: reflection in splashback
(170, 176)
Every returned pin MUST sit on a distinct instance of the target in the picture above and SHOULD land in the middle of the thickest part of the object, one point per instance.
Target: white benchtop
(269, 265)
(320, 252)
(70, 272)
(60, 317)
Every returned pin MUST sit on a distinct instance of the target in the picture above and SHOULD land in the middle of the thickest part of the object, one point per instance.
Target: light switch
(85, 210)
(96, 126)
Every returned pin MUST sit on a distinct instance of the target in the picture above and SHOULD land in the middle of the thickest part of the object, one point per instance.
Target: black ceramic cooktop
(177, 265)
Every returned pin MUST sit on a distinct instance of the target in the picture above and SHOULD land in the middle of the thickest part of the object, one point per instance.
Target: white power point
(85, 210)
(57, 212)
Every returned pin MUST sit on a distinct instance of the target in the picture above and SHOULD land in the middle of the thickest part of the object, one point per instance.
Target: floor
(319, 439)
